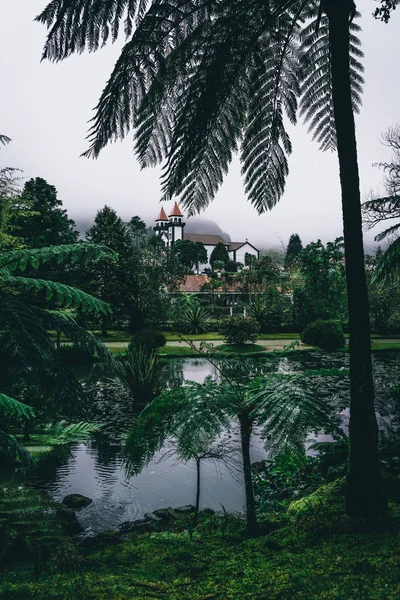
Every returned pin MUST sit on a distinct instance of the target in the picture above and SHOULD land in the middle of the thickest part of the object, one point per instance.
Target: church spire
(176, 211)
(161, 215)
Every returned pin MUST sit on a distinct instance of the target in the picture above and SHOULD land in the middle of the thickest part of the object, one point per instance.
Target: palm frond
(63, 434)
(68, 253)
(292, 410)
(76, 25)
(273, 89)
(64, 295)
(15, 451)
(316, 104)
(11, 407)
(388, 267)
(4, 140)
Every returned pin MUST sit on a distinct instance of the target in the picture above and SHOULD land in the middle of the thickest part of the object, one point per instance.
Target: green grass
(240, 349)
(314, 552)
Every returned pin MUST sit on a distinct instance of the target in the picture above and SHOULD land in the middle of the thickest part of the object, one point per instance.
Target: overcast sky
(45, 107)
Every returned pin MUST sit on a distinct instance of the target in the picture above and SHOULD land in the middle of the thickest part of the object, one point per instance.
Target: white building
(170, 229)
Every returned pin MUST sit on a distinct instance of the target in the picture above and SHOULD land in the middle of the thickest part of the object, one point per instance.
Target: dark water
(96, 469)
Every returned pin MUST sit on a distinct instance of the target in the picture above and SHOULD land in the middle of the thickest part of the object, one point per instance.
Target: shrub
(327, 335)
(141, 373)
(149, 339)
(239, 330)
(192, 317)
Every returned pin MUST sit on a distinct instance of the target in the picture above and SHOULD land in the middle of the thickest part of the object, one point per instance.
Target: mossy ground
(312, 552)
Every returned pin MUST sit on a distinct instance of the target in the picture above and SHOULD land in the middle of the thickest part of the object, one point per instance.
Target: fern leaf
(316, 104)
(4, 140)
(63, 295)
(11, 407)
(70, 253)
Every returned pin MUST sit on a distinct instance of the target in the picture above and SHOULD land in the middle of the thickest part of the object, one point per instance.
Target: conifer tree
(219, 254)
(37, 218)
(293, 250)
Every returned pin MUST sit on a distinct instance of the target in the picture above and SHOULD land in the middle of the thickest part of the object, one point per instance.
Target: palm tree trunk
(365, 492)
(245, 435)
(196, 514)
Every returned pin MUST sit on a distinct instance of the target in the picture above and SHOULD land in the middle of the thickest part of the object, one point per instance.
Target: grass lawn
(312, 552)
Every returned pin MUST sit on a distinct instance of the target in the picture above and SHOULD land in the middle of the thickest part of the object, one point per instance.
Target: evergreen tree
(190, 253)
(113, 280)
(37, 218)
(219, 254)
(293, 250)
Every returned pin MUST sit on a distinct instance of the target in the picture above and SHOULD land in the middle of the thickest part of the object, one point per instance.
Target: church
(171, 229)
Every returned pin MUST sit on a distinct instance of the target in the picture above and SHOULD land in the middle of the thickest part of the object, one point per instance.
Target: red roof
(175, 211)
(162, 216)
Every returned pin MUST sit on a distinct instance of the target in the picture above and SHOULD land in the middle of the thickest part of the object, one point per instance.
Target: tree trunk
(196, 514)
(245, 435)
(365, 491)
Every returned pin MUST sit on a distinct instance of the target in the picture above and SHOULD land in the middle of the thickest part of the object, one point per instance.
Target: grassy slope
(315, 552)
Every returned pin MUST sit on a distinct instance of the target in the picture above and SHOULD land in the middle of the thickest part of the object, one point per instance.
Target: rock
(76, 501)
(153, 517)
(207, 512)
(68, 521)
(166, 514)
(101, 540)
(188, 508)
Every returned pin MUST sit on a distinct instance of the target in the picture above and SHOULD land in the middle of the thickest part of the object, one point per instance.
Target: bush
(327, 335)
(239, 330)
(149, 339)
(74, 355)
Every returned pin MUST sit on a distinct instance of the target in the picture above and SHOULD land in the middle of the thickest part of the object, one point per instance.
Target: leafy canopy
(199, 80)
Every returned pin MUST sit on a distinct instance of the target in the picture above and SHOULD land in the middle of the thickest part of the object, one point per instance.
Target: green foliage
(239, 330)
(191, 317)
(248, 67)
(149, 339)
(140, 371)
(219, 255)
(293, 250)
(10, 448)
(323, 293)
(29, 531)
(37, 219)
(190, 253)
(326, 334)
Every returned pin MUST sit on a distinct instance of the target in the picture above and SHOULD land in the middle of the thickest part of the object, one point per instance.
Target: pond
(96, 469)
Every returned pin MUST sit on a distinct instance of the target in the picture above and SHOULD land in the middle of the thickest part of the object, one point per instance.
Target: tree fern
(316, 104)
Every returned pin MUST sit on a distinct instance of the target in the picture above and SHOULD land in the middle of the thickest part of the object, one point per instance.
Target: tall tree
(323, 293)
(109, 278)
(293, 250)
(219, 254)
(198, 78)
(191, 253)
(37, 218)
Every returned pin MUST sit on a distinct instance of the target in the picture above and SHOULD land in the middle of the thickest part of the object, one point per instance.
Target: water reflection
(97, 470)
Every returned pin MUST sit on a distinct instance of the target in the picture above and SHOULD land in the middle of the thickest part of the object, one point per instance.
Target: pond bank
(318, 554)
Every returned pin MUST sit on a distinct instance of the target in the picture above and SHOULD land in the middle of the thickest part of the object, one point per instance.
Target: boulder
(166, 514)
(188, 508)
(138, 526)
(76, 501)
(68, 521)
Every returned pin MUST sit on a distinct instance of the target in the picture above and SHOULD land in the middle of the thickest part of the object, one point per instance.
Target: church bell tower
(175, 225)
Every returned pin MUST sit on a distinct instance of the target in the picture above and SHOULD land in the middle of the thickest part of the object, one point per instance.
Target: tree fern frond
(136, 69)
(11, 407)
(15, 451)
(68, 253)
(4, 140)
(64, 295)
(316, 104)
(76, 25)
(387, 232)
(388, 267)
